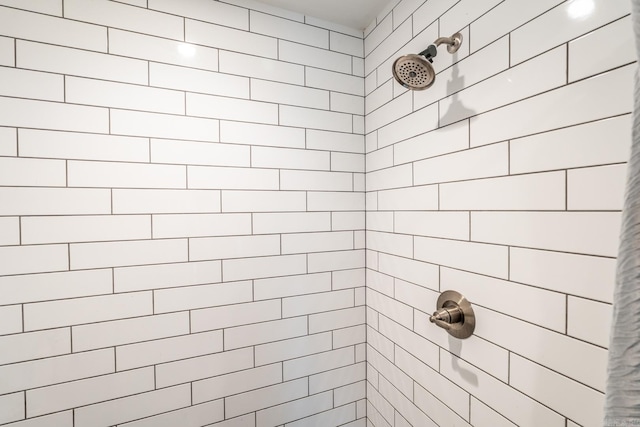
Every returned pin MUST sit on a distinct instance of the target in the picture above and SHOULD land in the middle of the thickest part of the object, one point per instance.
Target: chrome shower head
(415, 72)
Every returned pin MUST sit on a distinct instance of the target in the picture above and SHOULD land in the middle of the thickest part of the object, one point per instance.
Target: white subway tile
(190, 297)
(272, 10)
(118, 332)
(289, 158)
(31, 84)
(463, 13)
(8, 142)
(198, 153)
(346, 43)
(125, 409)
(61, 419)
(50, 286)
(600, 188)
(394, 177)
(396, 244)
(197, 368)
(333, 141)
(79, 393)
(12, 407)
(135, 123)
(307, 304)
(294, 410)
(380, 221)
(483, 416)
(120, 254)
(267, 223)
(316, 363)
(533, 340)
(378, 97)
(207, 248)
(233, 178)
(335, 201)
(69, 61)
(315, 119)
(255, 134)
(33, 259)
(35, 345)
(375, 403)
(337, 260)
(586, 276)
(389, 307)
(413, 198)
(166, 276)
(165, 201)
(589, 320)
(192, 80)
(348, 162)
(491, 260)
(451, 395)
(413, 271)
(9, 231)
(602, 96)
(428, 13)
(256, 268)
(590, 144)
(322, 322)
(262, 68)
(451, 225)
(381, 31)
(593, 233)
(411, 412)
(544, 308)
(390, 112)
(263, 201)
(514, 405)
(288, 30)
(504, 18)
(237, 382)
(264, 398)
(54, 201)
(390, 372)
(65, 229)
(200, 225)
(118, 15)
(545, 191)
(389, 46)
(438, 411)
(52, 30)
(11, 319)
(568, 397)
(243, 336)
(7, 52)
(571, 21)
(316, 242)
(42, 315)
(192, 416)
(477, 163)
(350, 336)
(380, 282)
(313, 56)
(347, 221)
(292, 348)
(336, 378)
(444, 140)
(416, 123)
(167, 350)
(334, 27)
(230, 39)
(49, 7)
(262, 90)
(32, 172)
(53, 370)
(334, 417)
(293, 285)
(51, 115)
(248, 420)
(330, 80)
(582, 63)
(142, 46)
(235, 315)
(203, 10)
(231, 109)
(82, 146)
(119, 95)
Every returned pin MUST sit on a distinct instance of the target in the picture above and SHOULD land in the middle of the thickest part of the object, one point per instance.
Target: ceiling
(356, 14)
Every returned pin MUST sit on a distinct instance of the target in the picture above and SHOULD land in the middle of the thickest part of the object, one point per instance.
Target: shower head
(415, 72)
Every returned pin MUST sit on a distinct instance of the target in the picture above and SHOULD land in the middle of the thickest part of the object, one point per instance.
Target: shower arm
(453, 44)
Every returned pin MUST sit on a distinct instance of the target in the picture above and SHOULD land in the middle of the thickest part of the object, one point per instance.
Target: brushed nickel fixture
(415, 72)
(454, 314)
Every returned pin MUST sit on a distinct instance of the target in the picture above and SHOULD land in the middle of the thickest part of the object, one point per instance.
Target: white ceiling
(356, 14)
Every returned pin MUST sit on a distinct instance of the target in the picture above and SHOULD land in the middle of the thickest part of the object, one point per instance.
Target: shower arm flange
(453, 43)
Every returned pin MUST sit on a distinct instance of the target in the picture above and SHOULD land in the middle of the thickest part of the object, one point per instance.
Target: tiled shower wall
(181, 216)
(503, 181)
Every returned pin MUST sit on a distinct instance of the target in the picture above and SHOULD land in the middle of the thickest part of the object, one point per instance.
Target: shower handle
(447, 316)
(454, 314)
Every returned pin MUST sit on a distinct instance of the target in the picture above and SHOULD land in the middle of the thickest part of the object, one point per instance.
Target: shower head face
(414, 72)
